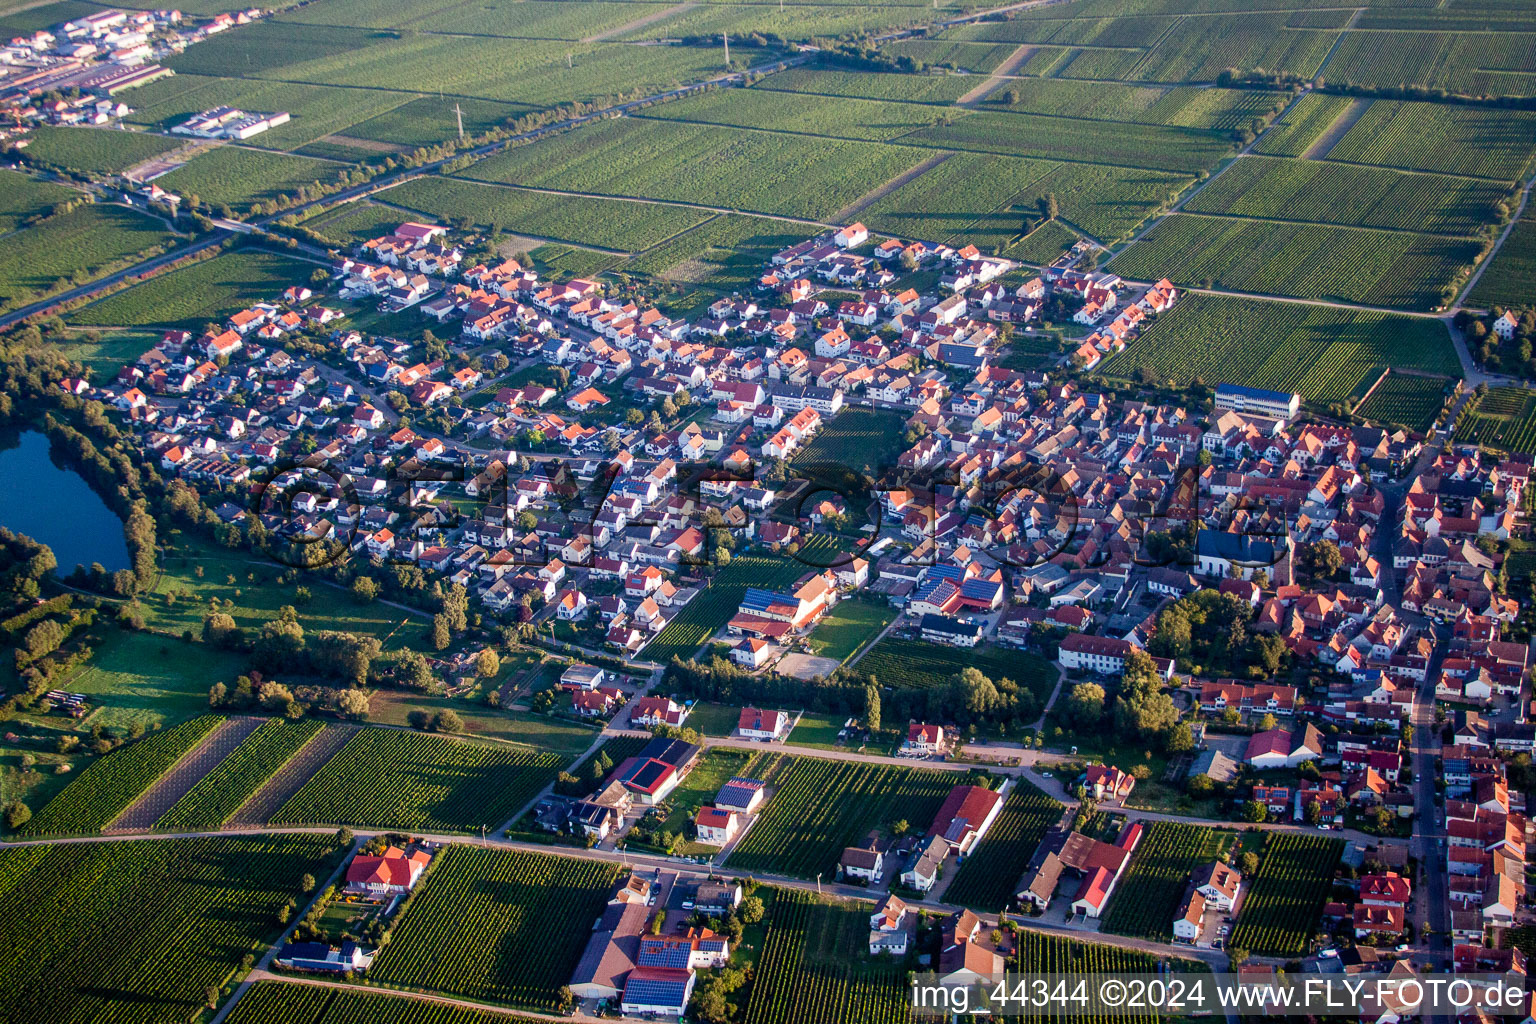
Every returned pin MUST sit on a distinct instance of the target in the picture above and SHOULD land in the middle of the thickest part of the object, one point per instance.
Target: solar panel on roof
(655, 991)
(658, 954)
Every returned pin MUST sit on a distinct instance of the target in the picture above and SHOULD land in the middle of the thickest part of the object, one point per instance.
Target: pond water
(55, 506)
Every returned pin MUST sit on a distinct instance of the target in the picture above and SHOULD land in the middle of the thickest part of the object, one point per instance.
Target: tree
(447, 720)
(365, 589)
(1255, 812)
(1313, 811)
(487, 663)
(872, 708)
(1248, 863)
(353, 703)
(1200, 786)
(18, 814)
(441, 636)
(307, 883)
(1085, 706)
(1143, 710)
(752, 909)
(1266, 723)
(217, 694)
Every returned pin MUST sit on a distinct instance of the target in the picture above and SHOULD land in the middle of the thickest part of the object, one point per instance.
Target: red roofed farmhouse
(391, 874)
(965, 816)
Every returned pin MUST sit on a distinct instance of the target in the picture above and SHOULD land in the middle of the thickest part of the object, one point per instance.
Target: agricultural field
(1097, 142)
(848, 627)
(239, 177)
(914, 664)
(862, 439)
(756, 172)
(815, 966)
(1040, 247)
(191, 296)
(987, 878)
(1183, 107)
(864, 120)
(529, 20)
(1108, 202)
(819, 807)
(1324, 354)
(606, 223)
(1280, 912)
(1308, 261)
(352, 223)
(1307, 121)
(567, 261)
(1466, 63)
(1406, 400)
(1145, 904)
(136, 932)
(106, 788)
(23, 197)
(716, 603)
(1474, 141)
(966, 196)
(411, 780)
(979, 58)
(727, 252)
(1507, 281)
(1350, 195)
(1504, 418)
(94, 150)
(71, 248)
(1198, 48)
(1045, 953)
(217, 795)
(276, 1002)
(429, 120)
(943, 90)
(493, 908)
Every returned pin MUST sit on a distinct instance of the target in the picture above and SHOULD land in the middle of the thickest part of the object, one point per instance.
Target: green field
(988, 877)
(819, 807)
(136, 932)
(390, 777)
(967, 197)
(917, 664)
(1325, 354)
(867, 120)
(217, 795)
(1308, 261)
(95, 150)
(23, 197)
(494, 908)
(356, 222)
(1350, 195)
(727, 252)
(815, 966)
(73, 248)
(240, 177)
(1507, 280)
(1298, 130)
(607, 223)
(1504, 418)
(862, 439)
(1469, 63)
(191, 296)
(1406, 400)
(783, 175)
(848, 627)
(106, 788)
(1474, 141)
(1157, 146)
(869, 85)
(1280, 913)
(1146, 902)
(276, 1002)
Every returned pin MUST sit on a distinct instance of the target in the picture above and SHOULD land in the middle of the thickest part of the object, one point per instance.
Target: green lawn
(714, 719)
(103, 357)
(848, 627)
(150, 680)
(553, 735)
(814, 730)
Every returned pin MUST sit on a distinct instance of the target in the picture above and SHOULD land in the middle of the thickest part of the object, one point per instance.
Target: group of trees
(1139, 712)
(254, 692)
(1208, 630)
(1512, 356)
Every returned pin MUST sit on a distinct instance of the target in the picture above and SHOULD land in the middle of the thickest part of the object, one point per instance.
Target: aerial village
(580, 458)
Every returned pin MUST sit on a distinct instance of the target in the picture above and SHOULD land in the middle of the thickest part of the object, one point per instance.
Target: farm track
(277, 790)
(188, 772)
(1341, 125)
(995, 81)
(879, 192)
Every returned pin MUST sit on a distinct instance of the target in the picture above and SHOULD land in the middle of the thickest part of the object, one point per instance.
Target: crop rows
(1324, 354)
(732, 168)
(1470, 63)
(135, 932)
(1474, 141)
(389, 777)
(240, 177)
(1124, 144)
(856, 439)
(23, 197)
(608, 223)
(819, 807)
(1043, 953)
(1280, 912)
(217, 795)
(713, 606)
(103, 790)
(95, 150)
(276, 1002)
(1147, 900)
(1350, 195)
(1197, 49)
(988, 878)
(72, 247)
(1507, 281)
(732, 246)
(1306, 122)
(967, 196)
(1309, 261)
(1407, 400)
(865, 120)
(483, 925)
(982, 58)
(193, 295)
(1504, 418)
(814, 967)
(869, 85)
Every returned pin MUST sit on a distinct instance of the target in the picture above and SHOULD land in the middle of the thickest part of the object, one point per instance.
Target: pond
(55, 506)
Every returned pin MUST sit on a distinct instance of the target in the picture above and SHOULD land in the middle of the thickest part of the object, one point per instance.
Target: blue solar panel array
(654, 953)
